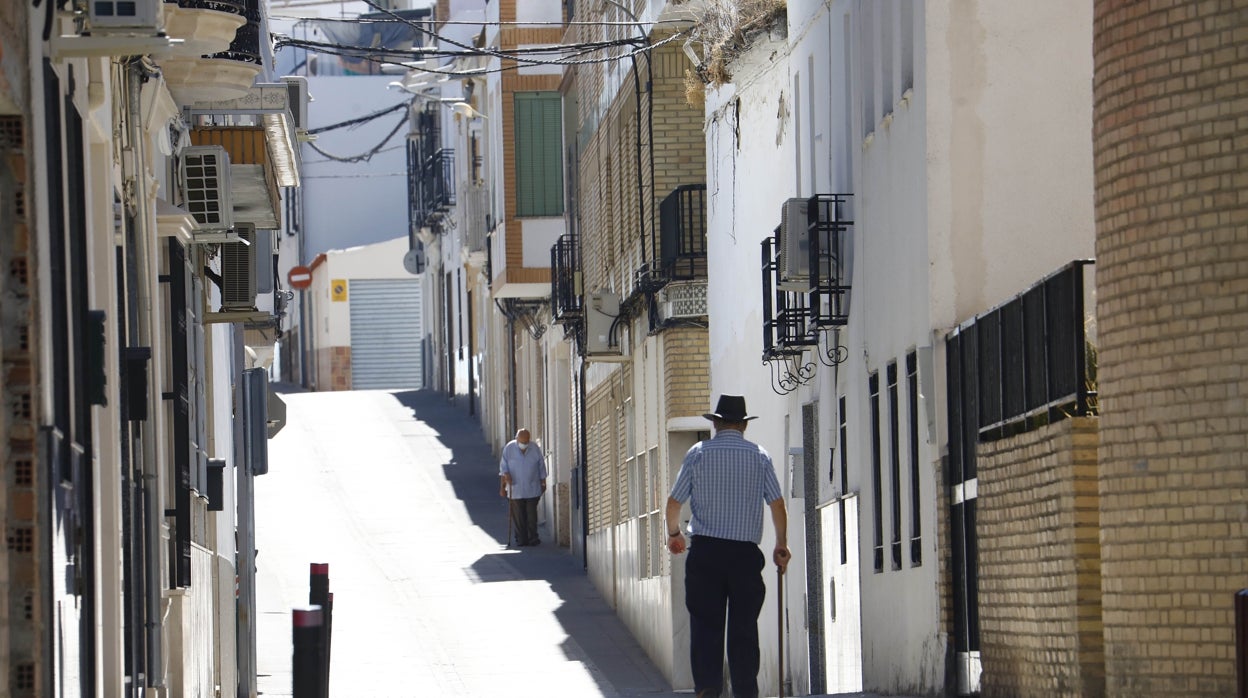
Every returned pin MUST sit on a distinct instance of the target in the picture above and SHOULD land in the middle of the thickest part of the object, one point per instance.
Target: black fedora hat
(730, 408)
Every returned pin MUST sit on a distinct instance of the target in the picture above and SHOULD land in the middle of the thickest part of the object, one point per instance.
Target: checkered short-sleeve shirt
(726, 481)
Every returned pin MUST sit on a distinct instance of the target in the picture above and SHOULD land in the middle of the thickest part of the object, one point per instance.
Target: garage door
(385, 334)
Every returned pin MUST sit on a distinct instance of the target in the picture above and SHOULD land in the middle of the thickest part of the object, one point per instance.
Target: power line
(367, 155)
(359, 120)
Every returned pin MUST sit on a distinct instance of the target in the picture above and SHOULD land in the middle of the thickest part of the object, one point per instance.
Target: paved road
(397, 492)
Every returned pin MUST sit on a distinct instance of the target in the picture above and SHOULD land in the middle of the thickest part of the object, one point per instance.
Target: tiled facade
(1171, 96)
(1039, 564)
(333, 368)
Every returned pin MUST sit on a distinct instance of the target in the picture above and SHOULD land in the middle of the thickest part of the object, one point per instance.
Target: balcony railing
(787, 326)
(431, 186)
(565, 280)
(246, 45)
(237, 7)
(682, 230)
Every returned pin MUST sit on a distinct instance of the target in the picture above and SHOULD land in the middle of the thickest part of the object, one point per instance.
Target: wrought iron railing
(431, 185)
(246, 45)
(565, 280)
(235, 7)
(682, 233)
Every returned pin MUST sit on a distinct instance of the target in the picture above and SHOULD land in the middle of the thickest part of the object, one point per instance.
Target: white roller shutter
(385, 334)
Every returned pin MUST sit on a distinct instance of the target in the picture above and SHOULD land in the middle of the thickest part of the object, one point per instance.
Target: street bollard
(1241, 643)
(306, 674)
(329, 638)
(318, 595)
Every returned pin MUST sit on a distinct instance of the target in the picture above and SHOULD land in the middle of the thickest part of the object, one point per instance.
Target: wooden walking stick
(507, 545)
(780, 627)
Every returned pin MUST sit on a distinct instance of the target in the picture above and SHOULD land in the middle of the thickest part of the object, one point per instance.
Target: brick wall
(687, 372)
(1171, 157)
(21, 585)
(1039, 564)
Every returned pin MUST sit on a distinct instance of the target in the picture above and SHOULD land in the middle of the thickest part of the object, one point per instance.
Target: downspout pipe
(143, 229)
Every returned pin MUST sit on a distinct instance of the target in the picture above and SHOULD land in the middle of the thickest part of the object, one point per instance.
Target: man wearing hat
(726, 480)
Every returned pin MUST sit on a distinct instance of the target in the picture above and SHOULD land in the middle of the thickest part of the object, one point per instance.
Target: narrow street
(397, 492)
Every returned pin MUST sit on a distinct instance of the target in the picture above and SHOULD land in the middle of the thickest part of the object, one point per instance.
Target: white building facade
(961, 188)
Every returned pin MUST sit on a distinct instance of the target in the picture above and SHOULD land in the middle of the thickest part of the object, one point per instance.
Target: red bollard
(306, 674)
(1241, 642)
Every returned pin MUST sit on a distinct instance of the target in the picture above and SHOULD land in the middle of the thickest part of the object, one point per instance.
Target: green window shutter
(539, 154)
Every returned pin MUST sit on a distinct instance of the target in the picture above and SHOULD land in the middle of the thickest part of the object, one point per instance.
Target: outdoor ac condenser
(205, 174)
(131, 17)
(602, 334)
(238, 270)
(793, 244)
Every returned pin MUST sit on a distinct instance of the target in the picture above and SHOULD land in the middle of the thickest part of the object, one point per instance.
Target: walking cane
(508, 546)
(780, 627)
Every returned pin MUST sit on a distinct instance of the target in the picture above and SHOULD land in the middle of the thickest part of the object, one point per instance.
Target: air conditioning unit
(238, 270)
(133, 17)
(683, 301)
(602, 334)
(297, 101)
(793, 245)
(205, 173)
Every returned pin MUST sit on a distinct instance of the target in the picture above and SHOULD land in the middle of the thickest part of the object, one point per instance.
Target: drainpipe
(141, 335)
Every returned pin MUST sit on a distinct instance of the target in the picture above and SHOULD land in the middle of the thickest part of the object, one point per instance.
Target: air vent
(205, 171)
(238, 270)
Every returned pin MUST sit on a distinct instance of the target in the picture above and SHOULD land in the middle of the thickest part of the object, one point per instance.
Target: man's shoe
(708, 693)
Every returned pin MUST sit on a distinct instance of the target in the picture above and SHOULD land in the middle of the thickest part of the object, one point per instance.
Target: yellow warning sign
(338, 290)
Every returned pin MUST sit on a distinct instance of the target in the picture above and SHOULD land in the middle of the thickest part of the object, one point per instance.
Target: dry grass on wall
(726, 28)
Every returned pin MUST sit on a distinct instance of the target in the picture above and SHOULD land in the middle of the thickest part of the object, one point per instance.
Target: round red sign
(300, 277)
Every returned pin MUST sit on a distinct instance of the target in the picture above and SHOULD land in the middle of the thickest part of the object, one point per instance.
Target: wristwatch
(673, 535)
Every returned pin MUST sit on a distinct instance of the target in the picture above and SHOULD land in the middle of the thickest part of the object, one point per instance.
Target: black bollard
(1241, 643)
(318, 594)
(306, 674)
(329, 638)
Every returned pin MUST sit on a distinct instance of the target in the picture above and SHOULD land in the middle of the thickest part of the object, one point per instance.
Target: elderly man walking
(523, 468)
(726, 481)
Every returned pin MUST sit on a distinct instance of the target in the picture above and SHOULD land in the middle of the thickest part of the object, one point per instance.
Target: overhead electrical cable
(367, 155)
(360, 120)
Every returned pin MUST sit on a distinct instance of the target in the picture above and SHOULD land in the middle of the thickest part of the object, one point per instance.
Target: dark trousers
(724, 577)
(524, 518)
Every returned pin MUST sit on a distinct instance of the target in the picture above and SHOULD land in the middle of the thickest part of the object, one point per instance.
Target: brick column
(1171, 157)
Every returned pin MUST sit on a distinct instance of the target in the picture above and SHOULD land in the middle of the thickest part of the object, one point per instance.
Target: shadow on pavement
(595, 633)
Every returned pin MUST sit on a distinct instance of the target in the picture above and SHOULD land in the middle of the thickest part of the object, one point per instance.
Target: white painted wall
(966, 190)
(378, 261)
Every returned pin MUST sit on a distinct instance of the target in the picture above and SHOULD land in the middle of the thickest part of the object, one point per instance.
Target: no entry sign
(300, 277)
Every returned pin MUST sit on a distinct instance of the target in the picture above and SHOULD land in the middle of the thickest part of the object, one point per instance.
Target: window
(894, 461)
(916, 524)
(877, 494)
(539, 159)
